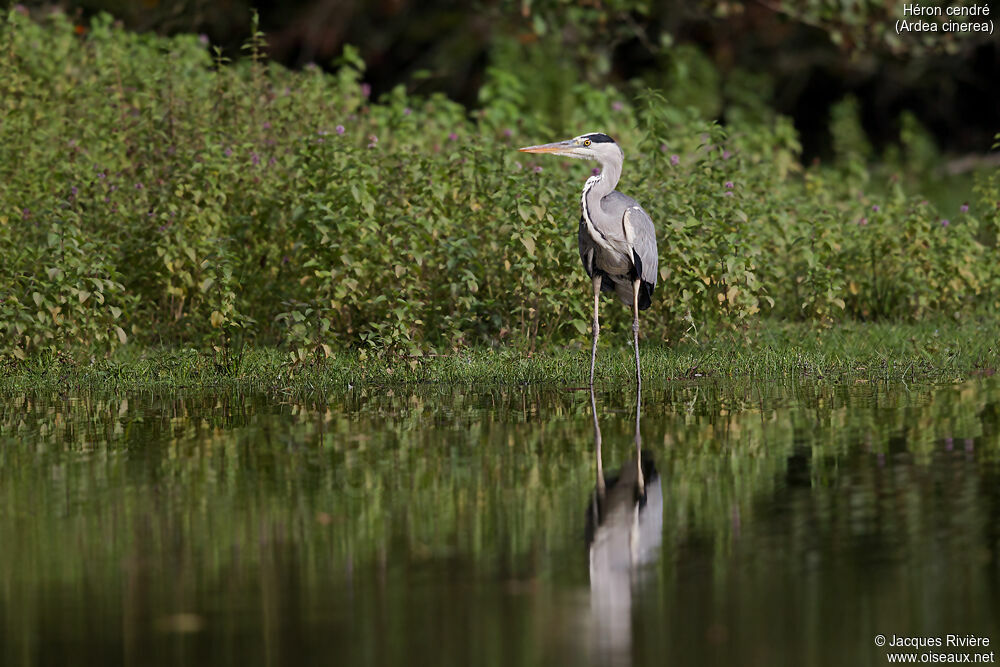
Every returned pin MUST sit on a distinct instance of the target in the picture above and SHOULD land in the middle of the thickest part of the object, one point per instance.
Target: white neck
(608, 179)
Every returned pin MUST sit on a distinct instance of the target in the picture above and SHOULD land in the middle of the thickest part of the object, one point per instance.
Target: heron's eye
(586, 142)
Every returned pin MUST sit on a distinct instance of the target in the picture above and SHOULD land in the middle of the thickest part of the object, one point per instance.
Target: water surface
(457, 525)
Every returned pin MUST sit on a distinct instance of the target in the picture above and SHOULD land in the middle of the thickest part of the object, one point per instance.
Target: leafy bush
(153, 192)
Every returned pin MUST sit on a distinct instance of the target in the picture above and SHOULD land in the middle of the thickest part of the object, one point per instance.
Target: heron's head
(590, 146)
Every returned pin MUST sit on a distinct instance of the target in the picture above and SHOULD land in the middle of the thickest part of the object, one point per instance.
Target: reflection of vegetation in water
(127, 510)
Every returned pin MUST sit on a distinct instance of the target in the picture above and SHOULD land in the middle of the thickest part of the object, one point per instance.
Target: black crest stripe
(599, 138)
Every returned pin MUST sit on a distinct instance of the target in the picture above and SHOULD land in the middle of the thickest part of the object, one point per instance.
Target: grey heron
(616, 237)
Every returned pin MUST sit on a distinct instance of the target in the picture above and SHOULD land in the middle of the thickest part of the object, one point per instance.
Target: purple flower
(113, 188)
(272, 161)
(596, 171)
(26, 213)
(675, 160)
(339, 129)
(203, 38)
(452, 136)
(161, 228)
(875, 207)
(863, 221)
(537, 169)
(729, 185)
(945, 222)
(266, 125)
(138, 186)
(322, 133)
(372, 141)
(617, 106)
(254, 158)
(728, 193)
(228, 152)
(102, 175)
(964, 208)
(366, 90)
(508, 133)
(663, 148)
(73, 190)
(406, 111)
(726, 155)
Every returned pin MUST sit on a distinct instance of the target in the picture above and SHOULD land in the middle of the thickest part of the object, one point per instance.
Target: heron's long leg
(635, 327)
(596, 326)
(640, 482)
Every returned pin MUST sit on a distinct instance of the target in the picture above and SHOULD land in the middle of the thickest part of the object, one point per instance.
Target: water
(463, 526)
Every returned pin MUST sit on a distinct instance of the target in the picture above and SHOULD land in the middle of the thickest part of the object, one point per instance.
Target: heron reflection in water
(624, 532)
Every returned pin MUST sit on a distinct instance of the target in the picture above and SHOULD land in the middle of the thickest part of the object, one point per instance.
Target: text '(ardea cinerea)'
(617, 239)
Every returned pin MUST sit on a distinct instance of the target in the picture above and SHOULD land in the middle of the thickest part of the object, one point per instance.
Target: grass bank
(938, 352)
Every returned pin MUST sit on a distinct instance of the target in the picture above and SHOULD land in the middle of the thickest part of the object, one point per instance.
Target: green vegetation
(152, 196)
(851, 353)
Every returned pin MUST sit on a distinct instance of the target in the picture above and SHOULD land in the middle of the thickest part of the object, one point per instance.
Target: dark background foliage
(801, 55)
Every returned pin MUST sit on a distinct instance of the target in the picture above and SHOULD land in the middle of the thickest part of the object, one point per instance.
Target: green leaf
(529, 245)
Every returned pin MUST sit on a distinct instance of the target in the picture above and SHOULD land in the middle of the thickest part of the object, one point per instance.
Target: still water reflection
(449, 526)
(624, 530)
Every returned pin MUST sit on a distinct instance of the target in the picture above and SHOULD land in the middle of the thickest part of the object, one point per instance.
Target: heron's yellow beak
(557, 147)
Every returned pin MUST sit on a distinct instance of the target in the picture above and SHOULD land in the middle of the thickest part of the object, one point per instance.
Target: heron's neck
(607, 180)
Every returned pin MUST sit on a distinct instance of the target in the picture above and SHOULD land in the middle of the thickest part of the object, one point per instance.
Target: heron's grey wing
(626, 224)
(640, 233)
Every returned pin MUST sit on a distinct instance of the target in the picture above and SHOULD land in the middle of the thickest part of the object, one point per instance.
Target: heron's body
(622, 251)
(616, 236)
